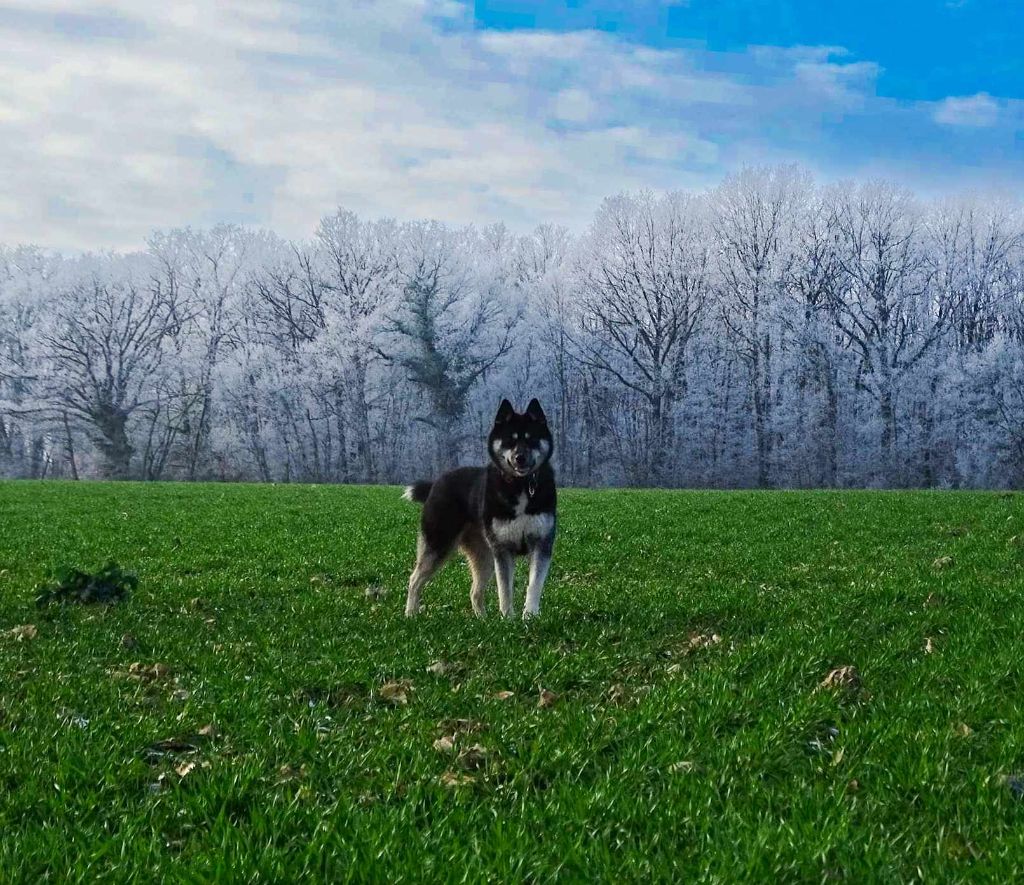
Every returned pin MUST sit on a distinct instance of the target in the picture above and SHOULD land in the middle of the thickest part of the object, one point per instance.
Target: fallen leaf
(209, 731)
(129, 642)
(456, 779)
(683, 766)
(396, 692)
(438, 668)
(963, 730)
(703, 640)
(139, 672)
(23, 632)
(180, 694)
(288, 773)
(456, 727)
(842, 677)
(503, 695)
(942, 562)
(171, 745)
(473, 758)
(547, 698)
(929, 646)
(853, 785)
(184, 768)
(445, 745)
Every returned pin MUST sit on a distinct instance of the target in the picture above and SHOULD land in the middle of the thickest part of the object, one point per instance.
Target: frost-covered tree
(644, 281)
(101, 351)
(754, 215)
(452, 323)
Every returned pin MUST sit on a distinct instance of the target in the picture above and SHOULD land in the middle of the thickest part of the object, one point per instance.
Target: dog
(492, 514)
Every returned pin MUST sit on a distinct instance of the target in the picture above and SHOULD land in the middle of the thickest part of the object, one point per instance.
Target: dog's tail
(418, 491)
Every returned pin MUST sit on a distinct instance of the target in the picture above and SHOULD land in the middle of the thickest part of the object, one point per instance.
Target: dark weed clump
(70, 585)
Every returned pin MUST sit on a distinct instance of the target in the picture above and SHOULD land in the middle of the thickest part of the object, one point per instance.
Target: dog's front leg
(540, 562)
(505, 567)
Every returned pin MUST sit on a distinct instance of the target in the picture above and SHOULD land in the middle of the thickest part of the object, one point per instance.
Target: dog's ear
(505, 412)
(535, 412)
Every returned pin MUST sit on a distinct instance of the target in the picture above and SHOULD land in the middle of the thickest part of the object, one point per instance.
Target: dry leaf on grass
(963, 730)
(546, 698)
(473, 758)
(702, 640)
(929, 646)
(456, 779)
(842, 678)
(456, 727)
(438, 668)
(396, 692)
(169, 746)
(853, 785)
(23, 632)
(942, 562)
(503, 695)
(138, 672)
(209, 731)
(288, 773)
(445, 744)
(681, 767)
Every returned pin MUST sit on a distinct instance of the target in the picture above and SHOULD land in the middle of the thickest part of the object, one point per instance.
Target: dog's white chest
(523, 528)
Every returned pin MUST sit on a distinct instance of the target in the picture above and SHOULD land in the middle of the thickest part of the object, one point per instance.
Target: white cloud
(276, 111)
(977, 111)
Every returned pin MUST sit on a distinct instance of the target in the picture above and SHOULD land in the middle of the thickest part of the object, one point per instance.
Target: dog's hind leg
(428, 561)
(505, 564)
(481, 565)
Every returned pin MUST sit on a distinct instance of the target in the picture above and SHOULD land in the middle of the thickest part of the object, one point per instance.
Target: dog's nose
(520, 459)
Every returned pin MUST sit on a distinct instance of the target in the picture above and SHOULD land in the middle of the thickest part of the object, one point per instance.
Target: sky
(119, 117)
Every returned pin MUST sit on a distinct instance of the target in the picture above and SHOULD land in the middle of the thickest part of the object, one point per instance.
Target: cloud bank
(119, 117)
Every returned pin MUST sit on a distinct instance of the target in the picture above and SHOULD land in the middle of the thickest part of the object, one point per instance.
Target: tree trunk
(887, 442)
(115, 449)
(69, 446)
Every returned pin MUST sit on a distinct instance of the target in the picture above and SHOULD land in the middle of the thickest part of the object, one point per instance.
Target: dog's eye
(515, 436)
(526, 436)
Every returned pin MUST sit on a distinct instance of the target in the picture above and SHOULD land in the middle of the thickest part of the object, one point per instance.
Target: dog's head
(519, 444)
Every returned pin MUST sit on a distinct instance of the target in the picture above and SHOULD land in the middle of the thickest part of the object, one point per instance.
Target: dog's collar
(531, 480)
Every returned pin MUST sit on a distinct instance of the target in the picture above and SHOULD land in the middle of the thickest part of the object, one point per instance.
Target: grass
(665, 753)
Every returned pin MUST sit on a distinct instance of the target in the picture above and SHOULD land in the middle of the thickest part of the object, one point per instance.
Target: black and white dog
(493, 513)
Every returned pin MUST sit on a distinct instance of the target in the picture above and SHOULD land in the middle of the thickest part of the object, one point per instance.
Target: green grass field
(683, 640)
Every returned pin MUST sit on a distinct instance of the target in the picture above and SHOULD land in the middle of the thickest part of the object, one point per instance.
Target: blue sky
(927, 49)
(118, 117)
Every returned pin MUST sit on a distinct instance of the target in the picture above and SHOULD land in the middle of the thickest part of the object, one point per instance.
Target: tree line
(771, 331)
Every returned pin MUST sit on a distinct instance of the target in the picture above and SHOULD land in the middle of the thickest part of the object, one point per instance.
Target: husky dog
(493, 513)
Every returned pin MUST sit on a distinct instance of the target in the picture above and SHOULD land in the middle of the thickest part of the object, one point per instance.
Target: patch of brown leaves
(845, 678)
